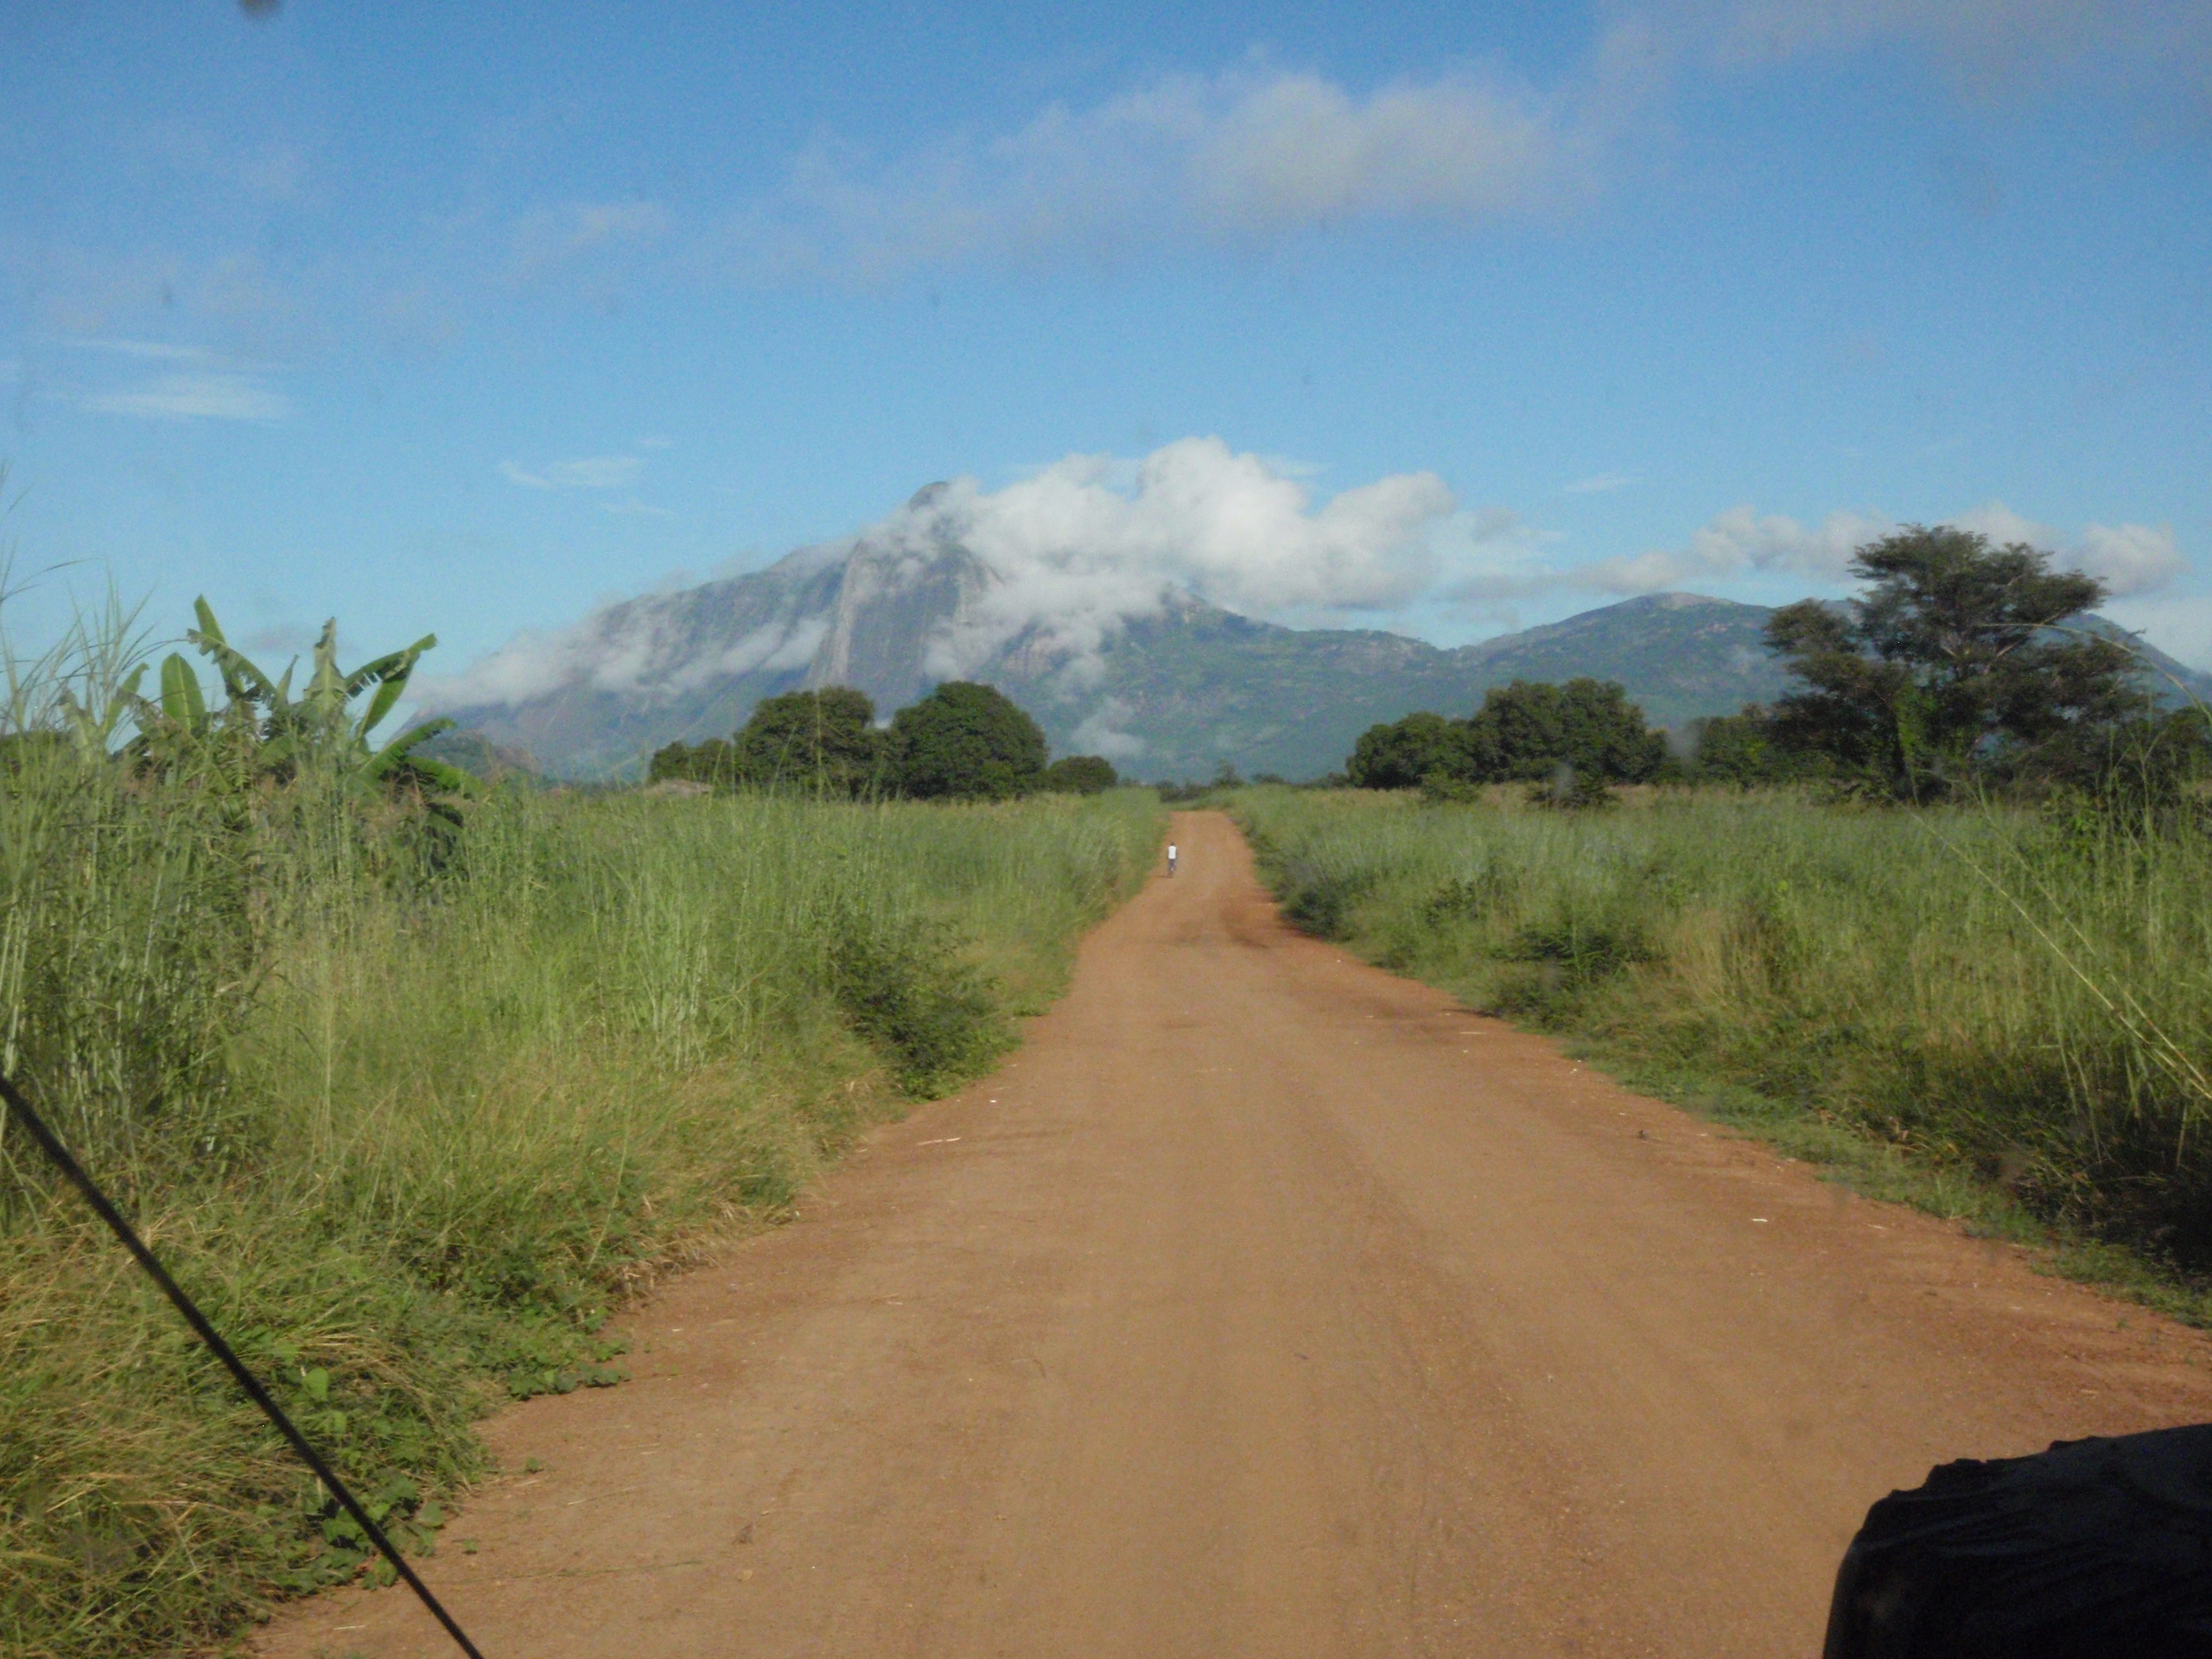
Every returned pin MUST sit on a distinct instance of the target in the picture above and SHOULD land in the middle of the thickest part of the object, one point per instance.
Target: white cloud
(1074, 556)
(1300, 151)
(1100, 733)
(2129, 559)
(638, 647)
(209, 396)
(1737, 542)
(2004, 526)
(586, 473)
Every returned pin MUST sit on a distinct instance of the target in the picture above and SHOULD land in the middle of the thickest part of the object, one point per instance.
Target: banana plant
(93, 726)
(318, 727)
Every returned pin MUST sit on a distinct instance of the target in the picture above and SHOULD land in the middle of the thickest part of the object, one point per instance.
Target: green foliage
(411, 1127)
(2146, 770)
(2016, 997)
(1526, 732)
(1569, 790)
(1402, 753)
(1081, 774)
(966, 741)
(820, 742)
(713, 763)
(1740, 749)
(962, 742)
(318, 733)
(907, 985)
(1954, 664)
(1523, 733)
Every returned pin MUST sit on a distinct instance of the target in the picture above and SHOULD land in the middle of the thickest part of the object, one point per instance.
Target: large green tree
(1958, 660)
(821, 742)
(1528, 729)
(966, 741)
(1400, 754)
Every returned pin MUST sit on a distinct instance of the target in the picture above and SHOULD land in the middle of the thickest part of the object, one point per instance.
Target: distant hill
(483, 760)
(1169, 696)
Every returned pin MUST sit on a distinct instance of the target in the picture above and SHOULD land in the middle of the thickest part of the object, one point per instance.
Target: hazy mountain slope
(1170, 695)
(1680, 655)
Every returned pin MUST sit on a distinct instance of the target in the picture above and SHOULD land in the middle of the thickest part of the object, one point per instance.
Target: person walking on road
(1171, 858)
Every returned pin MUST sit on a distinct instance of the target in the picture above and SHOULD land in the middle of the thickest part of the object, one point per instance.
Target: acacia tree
(1953, 660)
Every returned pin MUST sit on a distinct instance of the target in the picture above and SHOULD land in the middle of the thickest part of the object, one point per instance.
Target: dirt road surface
(1267, 1304)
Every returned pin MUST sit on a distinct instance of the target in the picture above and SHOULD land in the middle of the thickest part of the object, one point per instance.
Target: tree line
(1962, 666)
(963, 741)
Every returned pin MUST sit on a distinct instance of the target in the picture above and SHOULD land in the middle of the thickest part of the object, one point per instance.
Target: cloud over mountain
(1067, 556)
(1075, 551)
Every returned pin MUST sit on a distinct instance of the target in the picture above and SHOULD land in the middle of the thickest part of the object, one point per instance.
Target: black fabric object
(2093, 1549)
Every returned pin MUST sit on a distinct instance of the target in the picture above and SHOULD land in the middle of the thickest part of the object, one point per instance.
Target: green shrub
(1081, 774)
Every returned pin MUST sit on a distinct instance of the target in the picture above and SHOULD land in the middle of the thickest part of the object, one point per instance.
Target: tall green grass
(411, 1111)
(2000, 996)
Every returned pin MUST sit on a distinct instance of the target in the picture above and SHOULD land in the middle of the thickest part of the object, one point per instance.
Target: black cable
(51, 1143)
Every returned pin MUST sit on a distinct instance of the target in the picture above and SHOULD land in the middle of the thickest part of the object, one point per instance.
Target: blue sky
(469, 318)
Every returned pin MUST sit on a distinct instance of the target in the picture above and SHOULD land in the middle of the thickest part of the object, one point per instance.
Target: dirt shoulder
(1266, 1304)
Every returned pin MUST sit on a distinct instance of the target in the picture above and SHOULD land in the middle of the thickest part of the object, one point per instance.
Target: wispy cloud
(207, 396)
(1601, 484)
(1743, 543)
(1241, 158)
(1257, 155)
(586, 473)
(547, 238)
(159, 350)
(1988, 42)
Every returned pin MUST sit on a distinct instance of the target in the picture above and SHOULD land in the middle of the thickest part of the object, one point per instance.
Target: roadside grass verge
(2004, 1017)
(411, 1113)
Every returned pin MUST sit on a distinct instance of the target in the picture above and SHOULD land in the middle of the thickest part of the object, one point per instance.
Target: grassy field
(411, 1112)
(2003, 1014)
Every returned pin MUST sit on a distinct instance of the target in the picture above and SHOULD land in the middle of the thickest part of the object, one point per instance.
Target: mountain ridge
(1174, 691)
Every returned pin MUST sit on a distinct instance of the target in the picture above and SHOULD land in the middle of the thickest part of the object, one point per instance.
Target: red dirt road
(1267, 1304)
